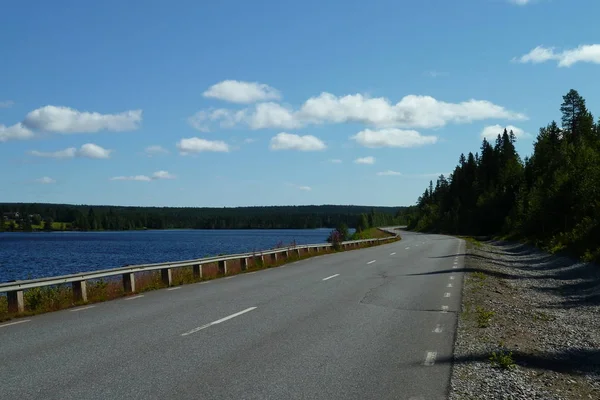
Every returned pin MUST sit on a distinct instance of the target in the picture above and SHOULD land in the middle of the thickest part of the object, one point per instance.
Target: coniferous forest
(551, 198)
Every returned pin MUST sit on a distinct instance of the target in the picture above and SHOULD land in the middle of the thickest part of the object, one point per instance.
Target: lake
(36, 255)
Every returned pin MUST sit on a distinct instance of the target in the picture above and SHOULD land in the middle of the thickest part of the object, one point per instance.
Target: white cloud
(365, 160)
(520, 2)
(492, 131)
(141, 178)
(272, 115)
(45, 180)
(6, 103)
(290, 141)
(389, 173)
(249, 140)
(305, 188)
(198, 145)
(66, 153)
(335, 161)
(155, 150)
(88, 150)
(145, 178)
(411, 111)
(16, 131)
(68, 120)
(435, 74)
(163, 175)
(392, 138)
(585, 53)
(242, 92)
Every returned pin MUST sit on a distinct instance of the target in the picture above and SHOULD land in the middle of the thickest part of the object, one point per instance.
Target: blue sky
(187, 103)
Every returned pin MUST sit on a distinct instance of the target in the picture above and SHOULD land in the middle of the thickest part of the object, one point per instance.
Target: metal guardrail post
(244, 263)
(129, 282)
(16, 303)
(197, 271)
(79, 291)
(166, 276)
(222, 267)
(274, 257)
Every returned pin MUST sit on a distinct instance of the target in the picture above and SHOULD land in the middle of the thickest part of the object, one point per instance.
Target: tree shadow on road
(571, 361)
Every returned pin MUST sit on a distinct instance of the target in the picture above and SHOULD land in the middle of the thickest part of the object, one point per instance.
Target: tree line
(551, 198)
(92, 218)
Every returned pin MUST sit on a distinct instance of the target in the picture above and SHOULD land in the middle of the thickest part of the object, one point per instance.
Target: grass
(503, 359)
(371, 233)
(54, 298)
(471, 240)
(484, 317)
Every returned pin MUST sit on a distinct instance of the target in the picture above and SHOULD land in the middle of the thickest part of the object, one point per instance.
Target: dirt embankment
(529, 326)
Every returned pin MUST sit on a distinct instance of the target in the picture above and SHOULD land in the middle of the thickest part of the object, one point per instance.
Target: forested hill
(551, 198)
(82, 217)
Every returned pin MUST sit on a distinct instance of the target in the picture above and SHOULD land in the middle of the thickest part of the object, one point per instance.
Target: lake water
(36, 255)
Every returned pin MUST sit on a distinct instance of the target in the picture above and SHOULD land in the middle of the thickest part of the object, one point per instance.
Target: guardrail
(14, 290)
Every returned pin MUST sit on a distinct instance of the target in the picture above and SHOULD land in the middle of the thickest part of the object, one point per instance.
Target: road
(363, 324)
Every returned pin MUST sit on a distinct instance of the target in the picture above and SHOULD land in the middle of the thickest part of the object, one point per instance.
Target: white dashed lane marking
(174, 288)
(371, 262)
(135, 297)
(329, 277)
(446, 294)
(449, 285)
(81, 308)
(430, 358)
(438, 329)
(218, 321)
(15, 323)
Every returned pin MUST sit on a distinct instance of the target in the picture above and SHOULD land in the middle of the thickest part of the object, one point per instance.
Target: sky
(239, 103)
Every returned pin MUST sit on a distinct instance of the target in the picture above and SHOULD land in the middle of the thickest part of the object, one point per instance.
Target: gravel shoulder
(539, 314)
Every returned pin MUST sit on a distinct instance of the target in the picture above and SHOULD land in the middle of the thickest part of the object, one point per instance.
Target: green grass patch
(371, 233)
(483, 317)
(502, 359)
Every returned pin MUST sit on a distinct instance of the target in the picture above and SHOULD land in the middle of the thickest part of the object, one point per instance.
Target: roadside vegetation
(54, 298)
(550, 199)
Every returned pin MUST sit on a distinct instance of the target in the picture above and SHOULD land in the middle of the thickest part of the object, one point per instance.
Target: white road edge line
(444, 309)
(229, 277)
(371, 262)
(15, 323)
(447, 294)
(455, 266)
(391, 254)
(449, 285)
(174, 288)
(332, 276)
(430, 358)
(135, 297)
(407, 248)
(438, 329)
(237, 314)
(452, 277)
(81, 308)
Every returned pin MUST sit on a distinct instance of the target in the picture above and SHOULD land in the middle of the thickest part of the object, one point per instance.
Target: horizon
(233, 105)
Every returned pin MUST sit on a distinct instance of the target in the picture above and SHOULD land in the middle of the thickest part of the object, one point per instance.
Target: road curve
(365, 324)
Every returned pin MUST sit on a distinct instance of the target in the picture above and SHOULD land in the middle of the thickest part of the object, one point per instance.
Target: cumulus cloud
(17, 131)
(69, 120)
(45, 180)
(589, 53)
(411, 111)
(155, 150)
(389, 173)
(6, 103)
(145, 178)
(392, 138)
(491, 132)
(88, 150)
(242, 92)
(290, 141)
(163, 175)
(365, 160)
(198, 145)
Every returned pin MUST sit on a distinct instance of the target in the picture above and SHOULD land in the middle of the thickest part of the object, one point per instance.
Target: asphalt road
(364, 324)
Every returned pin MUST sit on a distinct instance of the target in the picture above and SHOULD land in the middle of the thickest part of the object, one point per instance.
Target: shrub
(502, 359)
(483, 317)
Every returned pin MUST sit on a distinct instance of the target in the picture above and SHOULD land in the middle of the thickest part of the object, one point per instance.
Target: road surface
(363, 324)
